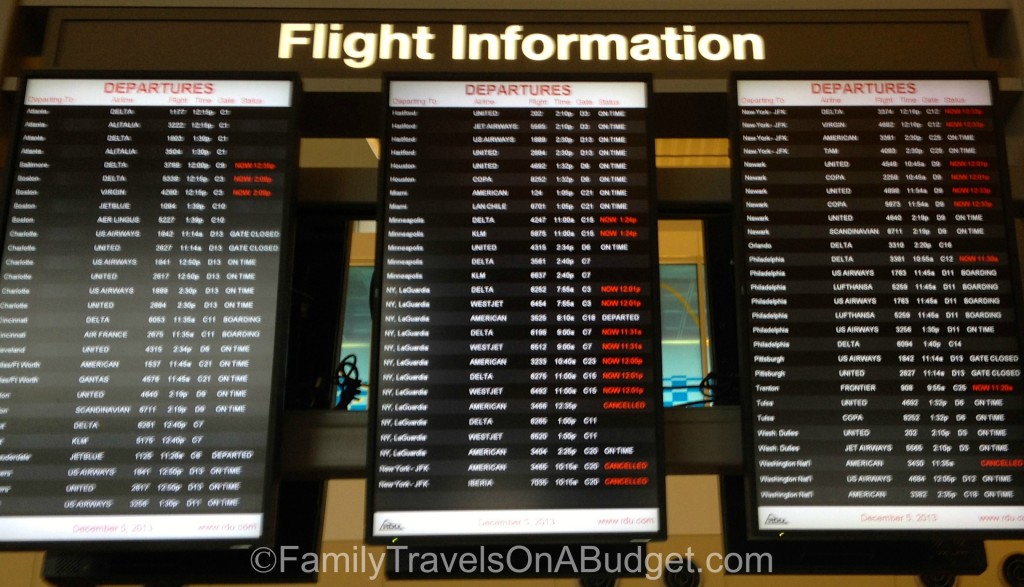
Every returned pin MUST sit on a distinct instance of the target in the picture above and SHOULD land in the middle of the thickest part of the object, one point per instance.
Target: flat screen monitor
(517, 392)
(880, 305)
(144, 256)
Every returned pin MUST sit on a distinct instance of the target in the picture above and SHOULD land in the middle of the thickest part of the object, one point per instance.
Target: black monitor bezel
(499, 539)
(283, 294)
(745, 365)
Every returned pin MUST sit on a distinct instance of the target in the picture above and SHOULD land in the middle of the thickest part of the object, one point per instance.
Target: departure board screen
(518, 377)
(880, 303)
(142, 275)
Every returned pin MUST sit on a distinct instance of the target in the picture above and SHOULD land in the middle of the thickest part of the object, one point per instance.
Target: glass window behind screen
(684, 328)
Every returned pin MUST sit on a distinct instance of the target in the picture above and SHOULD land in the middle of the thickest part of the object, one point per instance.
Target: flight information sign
(143, 261)
(518, 376)
(880, 306)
